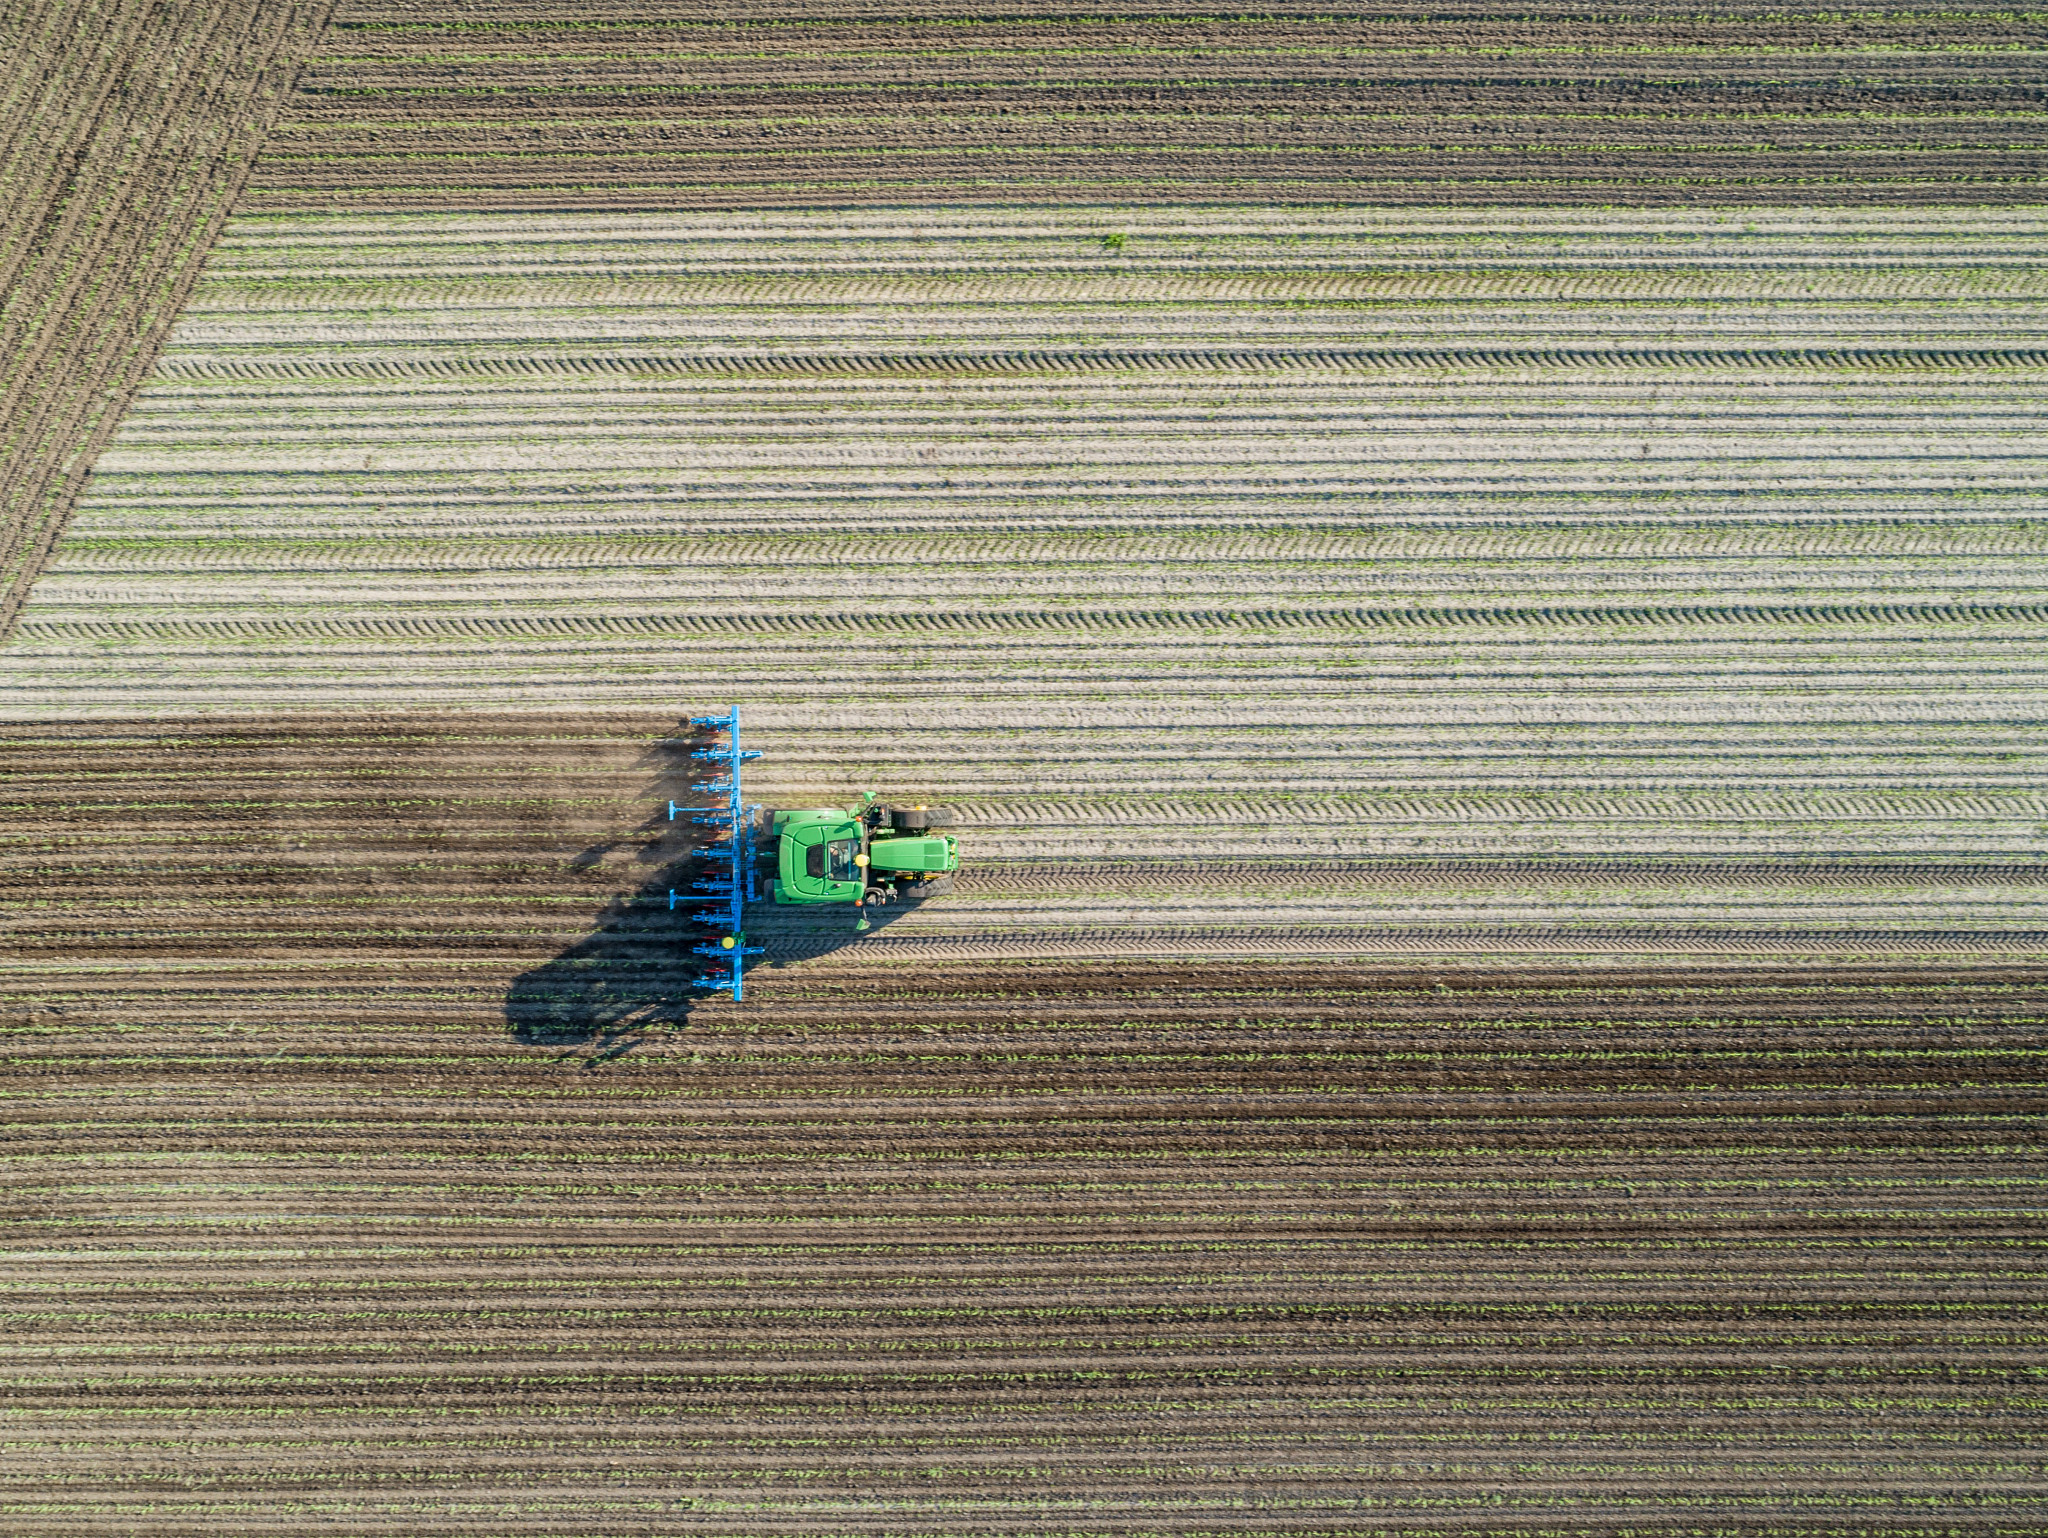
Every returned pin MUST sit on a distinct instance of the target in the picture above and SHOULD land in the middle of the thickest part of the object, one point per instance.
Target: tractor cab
(866, 855)
(818, 857)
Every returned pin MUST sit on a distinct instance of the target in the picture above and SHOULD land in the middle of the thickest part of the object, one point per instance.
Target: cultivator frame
(722, 896)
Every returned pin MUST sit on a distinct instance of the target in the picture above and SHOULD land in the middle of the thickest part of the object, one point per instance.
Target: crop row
(1618, 598)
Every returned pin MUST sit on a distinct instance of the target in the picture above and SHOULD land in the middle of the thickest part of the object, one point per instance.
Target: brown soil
(123, 147)
(512, 106)
(318, 1220)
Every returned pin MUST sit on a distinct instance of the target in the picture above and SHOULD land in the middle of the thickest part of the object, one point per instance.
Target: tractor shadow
(634, 973)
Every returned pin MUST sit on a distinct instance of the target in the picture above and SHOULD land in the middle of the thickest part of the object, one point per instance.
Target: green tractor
(865, 855)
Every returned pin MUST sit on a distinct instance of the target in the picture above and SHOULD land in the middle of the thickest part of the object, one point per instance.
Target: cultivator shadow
(719, 899)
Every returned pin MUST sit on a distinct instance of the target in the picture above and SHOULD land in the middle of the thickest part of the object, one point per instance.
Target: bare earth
(1050, 1249)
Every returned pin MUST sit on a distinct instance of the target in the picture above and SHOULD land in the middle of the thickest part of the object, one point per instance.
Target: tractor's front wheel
(918, 891)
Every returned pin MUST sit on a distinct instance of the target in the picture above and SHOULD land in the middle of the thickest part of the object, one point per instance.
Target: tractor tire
(937, 887)
(907, 820)
(938, 817)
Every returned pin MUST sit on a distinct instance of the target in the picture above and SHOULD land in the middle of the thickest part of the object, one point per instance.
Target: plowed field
(1473, 578)
(672, 106)
(1033, 1250)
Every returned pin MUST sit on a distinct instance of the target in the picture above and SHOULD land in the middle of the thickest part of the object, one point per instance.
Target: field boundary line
(1009, 874)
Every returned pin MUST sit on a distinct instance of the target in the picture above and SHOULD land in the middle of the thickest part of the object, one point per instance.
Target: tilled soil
(497, 106)
(1045, 1249)
(124, 141)
(343, 1198)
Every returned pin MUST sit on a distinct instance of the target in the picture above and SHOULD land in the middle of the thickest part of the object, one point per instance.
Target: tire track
(1085, 622)
(282, 296)
(425, 365)
(1010, 875)
(1557, 940)
(1869, 543)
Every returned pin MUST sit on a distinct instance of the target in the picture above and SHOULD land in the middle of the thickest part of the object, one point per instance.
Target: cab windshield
(839, 859)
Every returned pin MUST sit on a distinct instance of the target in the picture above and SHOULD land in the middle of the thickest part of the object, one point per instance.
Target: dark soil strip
(125, 137)
(514, 106)
(1035, 1249)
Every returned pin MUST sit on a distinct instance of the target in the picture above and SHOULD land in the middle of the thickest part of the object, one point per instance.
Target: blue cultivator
(720, 900)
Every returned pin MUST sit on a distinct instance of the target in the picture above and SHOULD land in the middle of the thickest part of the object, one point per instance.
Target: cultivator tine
(732, 888)
(711, 917)
(713, 818)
